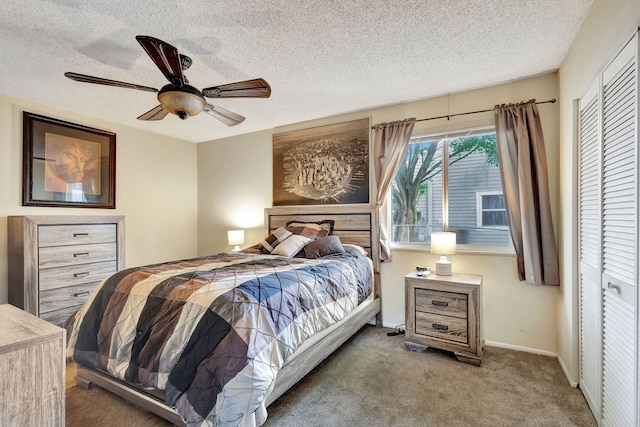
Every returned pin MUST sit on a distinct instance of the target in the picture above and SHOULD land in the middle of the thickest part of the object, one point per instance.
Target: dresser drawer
(445, 303)
(63, 235)
(69, 296)
(52, 278)
(445, 327)
(61, 256)
(58, 317)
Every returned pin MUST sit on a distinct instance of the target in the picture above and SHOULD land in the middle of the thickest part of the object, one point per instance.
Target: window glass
(493, 213)
(473, 207)
(417, 193)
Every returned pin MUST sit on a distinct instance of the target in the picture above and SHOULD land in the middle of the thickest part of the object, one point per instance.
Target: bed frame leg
(86, 384)
(379, 320)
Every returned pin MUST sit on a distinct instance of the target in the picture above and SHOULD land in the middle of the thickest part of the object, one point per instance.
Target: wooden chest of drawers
(55, 262)
(444, 312)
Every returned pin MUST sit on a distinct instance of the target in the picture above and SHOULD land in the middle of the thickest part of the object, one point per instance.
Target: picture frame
(67, 164)
(323, 165)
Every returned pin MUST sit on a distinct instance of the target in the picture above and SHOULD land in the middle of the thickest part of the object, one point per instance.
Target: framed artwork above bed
(322, 165)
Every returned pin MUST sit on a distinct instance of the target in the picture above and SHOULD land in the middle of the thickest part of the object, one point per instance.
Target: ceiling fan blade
(256, 88)
(99, 80)
(225, 116)
(165, 56)
(156, 113)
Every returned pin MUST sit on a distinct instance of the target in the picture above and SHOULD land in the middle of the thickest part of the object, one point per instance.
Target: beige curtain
(389, 146)
(523, 169)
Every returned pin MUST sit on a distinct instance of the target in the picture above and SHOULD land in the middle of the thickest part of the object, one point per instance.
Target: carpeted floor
(372, 380)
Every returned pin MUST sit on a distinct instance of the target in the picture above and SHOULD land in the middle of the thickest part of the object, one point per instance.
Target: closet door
(590, 235)
(619, 238)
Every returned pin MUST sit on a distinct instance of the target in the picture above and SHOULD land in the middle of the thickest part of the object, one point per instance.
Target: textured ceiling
(321, 58)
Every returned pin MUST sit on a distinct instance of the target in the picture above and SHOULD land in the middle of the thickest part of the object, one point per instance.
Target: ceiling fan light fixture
(182, 103)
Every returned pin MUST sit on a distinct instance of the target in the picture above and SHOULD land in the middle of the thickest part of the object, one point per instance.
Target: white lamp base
(443, 266)
(236, 248)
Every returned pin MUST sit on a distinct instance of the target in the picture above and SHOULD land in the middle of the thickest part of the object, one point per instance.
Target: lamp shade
(235, 237)
(443, 243)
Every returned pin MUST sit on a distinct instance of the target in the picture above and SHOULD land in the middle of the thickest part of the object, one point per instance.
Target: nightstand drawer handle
(81, 294)
(84, 254)
(440, 303)
(80, 234)
(440, 327)
(81, 274)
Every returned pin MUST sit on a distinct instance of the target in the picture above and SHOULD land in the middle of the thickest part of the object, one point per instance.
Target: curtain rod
(448, 116)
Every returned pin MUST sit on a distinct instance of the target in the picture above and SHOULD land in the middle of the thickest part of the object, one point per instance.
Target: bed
(210, 381)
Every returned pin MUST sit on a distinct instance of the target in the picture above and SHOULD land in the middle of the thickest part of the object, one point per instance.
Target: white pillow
(291, 245)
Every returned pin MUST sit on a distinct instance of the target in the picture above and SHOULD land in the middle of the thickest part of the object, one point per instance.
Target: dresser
(32, 363)
(444, 312)
(55, 262)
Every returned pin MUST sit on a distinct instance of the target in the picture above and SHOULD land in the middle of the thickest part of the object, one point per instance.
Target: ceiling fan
(178, 97)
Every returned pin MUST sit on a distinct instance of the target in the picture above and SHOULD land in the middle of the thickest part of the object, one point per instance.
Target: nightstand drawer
(444, 303)
(445, 327)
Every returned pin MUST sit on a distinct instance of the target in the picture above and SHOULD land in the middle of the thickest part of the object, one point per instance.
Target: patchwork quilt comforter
(211, 333)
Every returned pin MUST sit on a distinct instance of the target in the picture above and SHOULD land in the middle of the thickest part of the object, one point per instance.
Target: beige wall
(234, 187)
(235, 179)
(606, 30)
(156, 187)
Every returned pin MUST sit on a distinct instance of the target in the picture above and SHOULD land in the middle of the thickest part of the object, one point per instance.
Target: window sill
(460, 249)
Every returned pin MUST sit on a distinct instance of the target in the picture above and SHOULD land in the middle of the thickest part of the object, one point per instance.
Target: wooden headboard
(354, 224)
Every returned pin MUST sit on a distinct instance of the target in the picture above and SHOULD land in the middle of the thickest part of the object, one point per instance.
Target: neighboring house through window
(450, 182)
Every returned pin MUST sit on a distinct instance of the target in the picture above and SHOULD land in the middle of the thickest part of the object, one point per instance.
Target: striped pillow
(269, 244)
(312, 230)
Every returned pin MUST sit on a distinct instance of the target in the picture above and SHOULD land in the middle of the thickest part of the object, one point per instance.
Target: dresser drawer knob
(80, 234)
(83, 254)
(81, 274)
(81, 294)
(439, 327)
(440, 303)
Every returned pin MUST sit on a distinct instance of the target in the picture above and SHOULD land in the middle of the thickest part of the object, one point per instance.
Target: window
(491, 211)
(450, 183)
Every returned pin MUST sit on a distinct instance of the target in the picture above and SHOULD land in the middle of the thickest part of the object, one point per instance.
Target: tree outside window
(418, 205)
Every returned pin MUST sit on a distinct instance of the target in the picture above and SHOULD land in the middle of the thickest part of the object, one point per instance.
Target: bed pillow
(357, 248)
(255, 249)
(270, 243)
(312, 230)
(291, 246)
(324, 246)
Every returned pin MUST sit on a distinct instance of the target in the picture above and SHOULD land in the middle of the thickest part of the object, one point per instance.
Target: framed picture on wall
(67, 165)
(322, 165)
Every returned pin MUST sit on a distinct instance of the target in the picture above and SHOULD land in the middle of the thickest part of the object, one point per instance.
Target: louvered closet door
(620, 244)
(589, 213)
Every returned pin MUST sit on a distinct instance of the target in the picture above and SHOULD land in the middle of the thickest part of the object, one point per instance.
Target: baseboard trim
(520, 348)
(566, 373)
(392, 325)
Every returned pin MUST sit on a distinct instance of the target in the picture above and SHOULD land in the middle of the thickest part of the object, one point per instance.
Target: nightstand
(444, 312)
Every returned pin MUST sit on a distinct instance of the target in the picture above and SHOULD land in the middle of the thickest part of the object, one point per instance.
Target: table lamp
(235, 238)
(443, 243)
